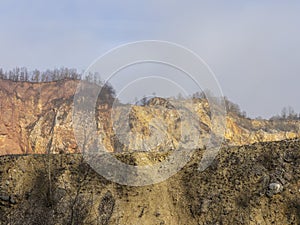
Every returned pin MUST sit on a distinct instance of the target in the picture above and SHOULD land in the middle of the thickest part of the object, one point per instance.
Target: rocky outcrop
(253, 184)
(37, 118)
(241, 131)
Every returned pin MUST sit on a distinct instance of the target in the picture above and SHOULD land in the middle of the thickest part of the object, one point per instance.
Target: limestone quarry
(37, 118)
(44, 178)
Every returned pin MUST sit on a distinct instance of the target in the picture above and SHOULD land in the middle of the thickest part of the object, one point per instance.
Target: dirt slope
(255, 184)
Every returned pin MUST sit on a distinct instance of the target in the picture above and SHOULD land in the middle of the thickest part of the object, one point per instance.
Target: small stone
(4, 198)
(274, 188)
(12, 200)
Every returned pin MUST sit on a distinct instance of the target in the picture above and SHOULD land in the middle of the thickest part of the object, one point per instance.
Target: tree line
(287, 113)
(24, 75)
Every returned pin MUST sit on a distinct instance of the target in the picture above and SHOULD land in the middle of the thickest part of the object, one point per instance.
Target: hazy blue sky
(252, 46)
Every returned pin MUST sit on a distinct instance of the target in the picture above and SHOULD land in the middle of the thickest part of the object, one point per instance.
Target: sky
(253, 47)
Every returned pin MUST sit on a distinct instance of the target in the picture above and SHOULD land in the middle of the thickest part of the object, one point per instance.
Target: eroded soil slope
(255, 184)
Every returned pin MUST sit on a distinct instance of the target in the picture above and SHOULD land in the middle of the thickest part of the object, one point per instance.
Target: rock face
(235, 189)
(242, 131)
(37, 118)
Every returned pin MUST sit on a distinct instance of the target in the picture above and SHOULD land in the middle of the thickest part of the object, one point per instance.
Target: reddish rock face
(27, 112)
